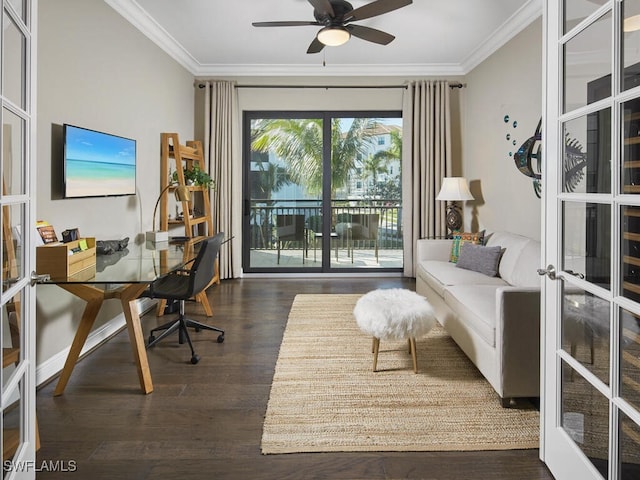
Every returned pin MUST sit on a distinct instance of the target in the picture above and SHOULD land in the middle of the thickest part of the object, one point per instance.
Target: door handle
(575, 274)
(35, 278)
(550, 272)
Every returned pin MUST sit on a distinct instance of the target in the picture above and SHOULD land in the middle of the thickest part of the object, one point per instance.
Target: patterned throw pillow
(459, 238)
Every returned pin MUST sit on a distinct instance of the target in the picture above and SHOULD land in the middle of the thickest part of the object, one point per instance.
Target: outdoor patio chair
(291, 228)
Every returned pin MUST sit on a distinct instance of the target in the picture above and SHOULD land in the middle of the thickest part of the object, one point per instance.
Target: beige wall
(509, 82)
(96, 70)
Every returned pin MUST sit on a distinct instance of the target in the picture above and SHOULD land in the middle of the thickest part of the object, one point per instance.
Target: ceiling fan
(335, 17)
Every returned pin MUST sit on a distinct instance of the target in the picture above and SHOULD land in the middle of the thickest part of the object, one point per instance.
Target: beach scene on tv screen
(98, 164)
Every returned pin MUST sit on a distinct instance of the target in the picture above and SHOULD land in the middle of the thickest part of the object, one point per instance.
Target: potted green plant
(195, 176)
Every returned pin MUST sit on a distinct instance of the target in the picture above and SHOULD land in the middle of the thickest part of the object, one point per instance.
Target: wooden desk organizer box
(59, 261)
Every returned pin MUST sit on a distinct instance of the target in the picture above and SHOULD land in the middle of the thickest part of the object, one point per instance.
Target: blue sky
(94, 146)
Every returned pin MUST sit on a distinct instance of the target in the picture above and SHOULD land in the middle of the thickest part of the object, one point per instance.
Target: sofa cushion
(526, 273)
(513, 245)
(476, 304)
(479, 259)
(439, 275)
(460, 238)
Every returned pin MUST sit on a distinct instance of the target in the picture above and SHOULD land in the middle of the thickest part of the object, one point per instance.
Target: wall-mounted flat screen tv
(97, 164)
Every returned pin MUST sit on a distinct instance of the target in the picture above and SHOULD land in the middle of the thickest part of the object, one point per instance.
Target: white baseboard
(53, 366)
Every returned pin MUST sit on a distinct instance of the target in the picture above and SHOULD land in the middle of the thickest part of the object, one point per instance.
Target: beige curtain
(220, 145)
(426, 159)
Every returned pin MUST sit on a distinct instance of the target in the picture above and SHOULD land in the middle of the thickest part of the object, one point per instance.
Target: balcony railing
(264, 221)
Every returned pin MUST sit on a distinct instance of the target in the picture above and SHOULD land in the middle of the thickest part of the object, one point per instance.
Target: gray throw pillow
(480, 258)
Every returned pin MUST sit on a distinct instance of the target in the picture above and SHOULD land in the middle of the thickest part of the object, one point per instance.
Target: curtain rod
(451, 85)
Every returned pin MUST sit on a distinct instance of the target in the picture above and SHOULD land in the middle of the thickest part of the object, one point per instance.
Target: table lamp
(182, 194)
(454, 189)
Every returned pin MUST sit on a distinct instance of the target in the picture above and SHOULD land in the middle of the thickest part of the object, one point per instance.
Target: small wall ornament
(528, 158)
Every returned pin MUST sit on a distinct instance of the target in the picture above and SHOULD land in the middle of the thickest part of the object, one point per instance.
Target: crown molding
(141, 20)
(526, 15)
(352, 70)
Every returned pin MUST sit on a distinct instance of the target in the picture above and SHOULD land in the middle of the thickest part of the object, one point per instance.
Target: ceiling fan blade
(374, 9)
(284, 24)
(370, 34)
(316, 46)
(323, 7)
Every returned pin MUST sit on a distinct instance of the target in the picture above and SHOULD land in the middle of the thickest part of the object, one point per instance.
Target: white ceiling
(433, 37)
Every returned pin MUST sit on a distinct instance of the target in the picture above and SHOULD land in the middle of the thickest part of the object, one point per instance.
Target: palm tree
(267, 181)
(394, 152)
(383, 157)
(299, 143)
(373, 166)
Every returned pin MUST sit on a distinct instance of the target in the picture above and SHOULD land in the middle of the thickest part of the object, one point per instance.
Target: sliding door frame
(326, 205)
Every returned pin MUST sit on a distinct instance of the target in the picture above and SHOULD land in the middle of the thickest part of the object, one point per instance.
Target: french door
(591, 408)
(322, 191)
(17, 297)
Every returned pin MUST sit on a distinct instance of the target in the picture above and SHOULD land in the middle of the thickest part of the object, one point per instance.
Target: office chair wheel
(151, 339)
(195, 359)
(221, 338)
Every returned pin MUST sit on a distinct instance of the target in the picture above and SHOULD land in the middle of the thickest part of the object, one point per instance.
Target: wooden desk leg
(128, 296)
(204, 301)
(162, 303)
(94, 298)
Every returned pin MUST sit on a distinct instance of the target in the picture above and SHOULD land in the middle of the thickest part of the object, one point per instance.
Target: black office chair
(182, 285)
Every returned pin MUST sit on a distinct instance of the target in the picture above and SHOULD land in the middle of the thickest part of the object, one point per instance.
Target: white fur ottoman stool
(394, 313)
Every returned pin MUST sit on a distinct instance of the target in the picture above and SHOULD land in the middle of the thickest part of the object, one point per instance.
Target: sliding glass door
(322, 191)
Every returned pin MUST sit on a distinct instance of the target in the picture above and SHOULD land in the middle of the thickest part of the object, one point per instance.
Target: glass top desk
(123, 275)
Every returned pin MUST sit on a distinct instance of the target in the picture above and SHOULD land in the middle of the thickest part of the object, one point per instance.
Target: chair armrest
(518, 337)
(433, 249)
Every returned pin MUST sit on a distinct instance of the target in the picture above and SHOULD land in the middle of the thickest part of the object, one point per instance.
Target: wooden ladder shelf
(185, 156)
(191, 154)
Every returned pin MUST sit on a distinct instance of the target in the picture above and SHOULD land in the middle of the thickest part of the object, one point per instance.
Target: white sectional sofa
(494, 319)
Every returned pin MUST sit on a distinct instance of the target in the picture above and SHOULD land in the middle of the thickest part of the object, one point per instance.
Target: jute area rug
(326, 398)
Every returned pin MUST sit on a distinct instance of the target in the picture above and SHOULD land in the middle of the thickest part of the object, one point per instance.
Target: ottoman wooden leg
(376, 348)
(414, 356)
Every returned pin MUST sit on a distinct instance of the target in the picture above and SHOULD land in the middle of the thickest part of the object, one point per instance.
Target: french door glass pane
(575, 11)
(13, 62)
(12, 433)
(630, 358)
(630, 176)
(20, 7)
(585, 330)
(585, 417)
(366, 192)
(13, 153)
(631, 44)
(629, 450)
(587, 65)
(586, 231)
(630, 248)
(12, 251)
(587, 153)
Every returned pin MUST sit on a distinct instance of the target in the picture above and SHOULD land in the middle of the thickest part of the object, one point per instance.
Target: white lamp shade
(454, 189)
(333, 36)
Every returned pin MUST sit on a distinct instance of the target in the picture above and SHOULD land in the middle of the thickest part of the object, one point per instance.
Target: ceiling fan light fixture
(334, 36)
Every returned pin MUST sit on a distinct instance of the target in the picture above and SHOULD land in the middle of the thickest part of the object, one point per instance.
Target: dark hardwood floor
(205, 421)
